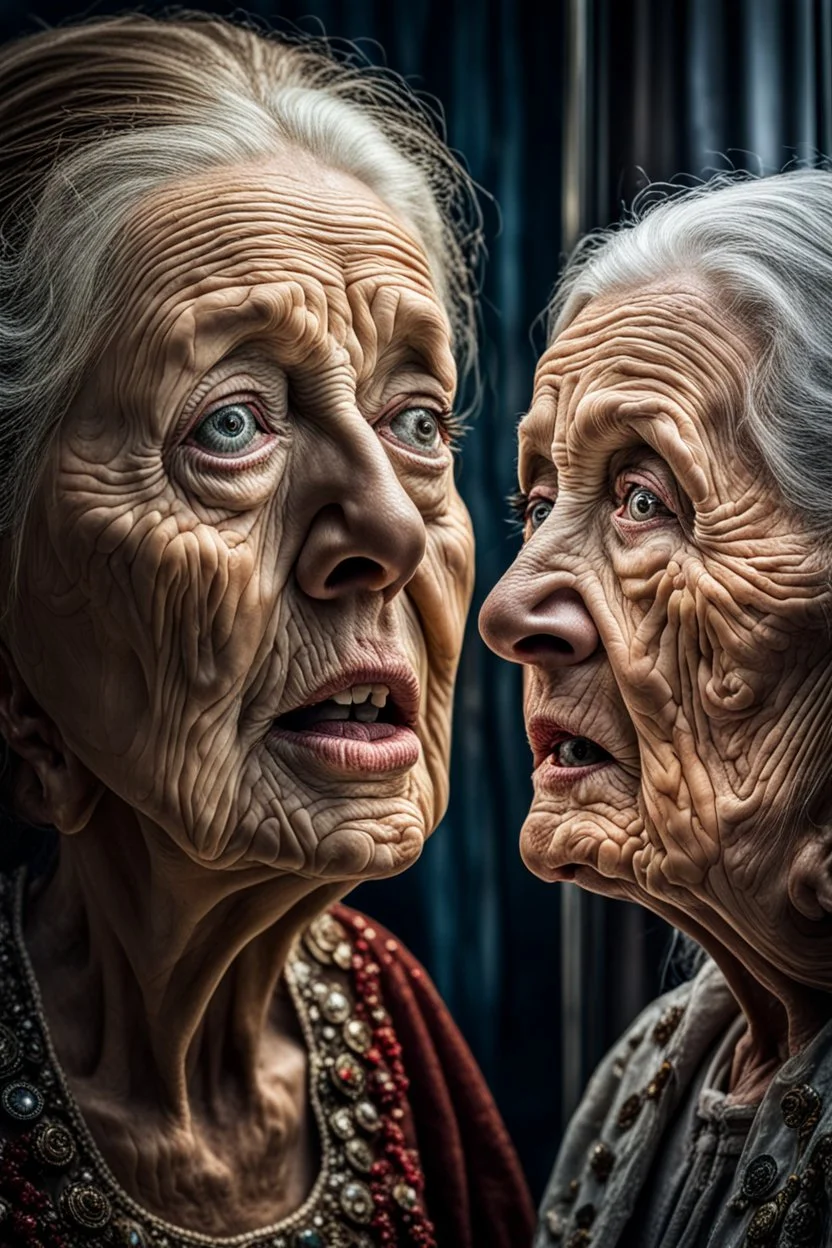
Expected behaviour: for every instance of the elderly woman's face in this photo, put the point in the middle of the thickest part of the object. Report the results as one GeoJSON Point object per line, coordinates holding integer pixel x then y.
{"type": "Point", "coordinates": [672, 616]}
{"type": "Point", "coordinates": [246, 577]}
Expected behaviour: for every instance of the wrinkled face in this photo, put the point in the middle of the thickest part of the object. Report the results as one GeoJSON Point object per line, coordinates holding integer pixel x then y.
{"type": "Point", "coordinates": [246, 578]}
{"type": "Point", "coordinates": [672, 615]}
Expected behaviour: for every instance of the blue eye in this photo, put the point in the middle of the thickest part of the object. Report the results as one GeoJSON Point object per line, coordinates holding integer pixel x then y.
{"type": "Point", "coordinates": [228, 430]}
{"type": "Point", "coordinates": [642, 504]}
{"type": "Point", "coordinates": [538, 512]}
{"type": "Point", "coordinates": [417, 427]}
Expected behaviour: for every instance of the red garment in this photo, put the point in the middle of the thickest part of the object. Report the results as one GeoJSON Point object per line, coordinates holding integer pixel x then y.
{"type": "Point", "coordinates": [475, 1192]}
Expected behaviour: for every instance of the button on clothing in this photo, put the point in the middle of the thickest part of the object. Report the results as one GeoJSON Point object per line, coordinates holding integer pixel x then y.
{"type": "Point", "coordinates": [693, 1175]}
{"type": "Point", "coordinates": [691, 1169]}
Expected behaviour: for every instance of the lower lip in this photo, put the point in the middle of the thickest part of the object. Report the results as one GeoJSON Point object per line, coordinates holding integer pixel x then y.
{"type": "Point", "coordinates": [351, 751]}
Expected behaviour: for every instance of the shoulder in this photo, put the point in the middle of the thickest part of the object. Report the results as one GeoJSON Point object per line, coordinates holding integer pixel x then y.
{"type": "Point", "coordinates": [614, 1133]}
{"type": "Point", "coordinates": [376, 949]}
{"type": "Point", "coordinates": [786, 1162]}
{"type": "Point", "coordinates": [432, 1044]}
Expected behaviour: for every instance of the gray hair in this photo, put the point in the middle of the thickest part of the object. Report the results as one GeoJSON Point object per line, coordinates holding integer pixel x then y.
{"type": "Point", "coordinates": [764, 247]}
{"type": "Point", "coordinates": [96, 116]}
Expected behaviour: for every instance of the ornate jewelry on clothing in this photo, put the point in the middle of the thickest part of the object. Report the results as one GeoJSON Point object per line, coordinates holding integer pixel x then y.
{"type": "Point", "coordinates": [56, 1190]}
{"type": "Point", "coordinates": [657, 1154]}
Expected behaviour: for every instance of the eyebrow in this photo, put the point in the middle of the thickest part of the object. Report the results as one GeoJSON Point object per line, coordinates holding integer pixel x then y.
{"type": "Point", "coordinates": [530, 433]}
{"type": "Point", "coordinates": [429, 345]}
{"type": "Point", "coordinates": [233, 325]}
{"type": "Point", "coordinates": [536, 466]}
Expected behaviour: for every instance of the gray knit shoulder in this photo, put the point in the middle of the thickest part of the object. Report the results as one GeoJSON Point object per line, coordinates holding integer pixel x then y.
{"type": "Point", "coordinates": [610, 1142]}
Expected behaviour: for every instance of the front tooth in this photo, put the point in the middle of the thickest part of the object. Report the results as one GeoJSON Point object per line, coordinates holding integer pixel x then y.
{"type": "Point", "coordinates": [360, 693]}
{"type": "Point", "coordinates": [379, 695]}
{"type": "Point", "coordinates": [344, 698]}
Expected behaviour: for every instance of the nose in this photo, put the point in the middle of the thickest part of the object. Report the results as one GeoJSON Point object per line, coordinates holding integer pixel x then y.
{"type": "Point", "coordinates": [367, 533]}
{"type": "Point", "coordinates": [551, 630]}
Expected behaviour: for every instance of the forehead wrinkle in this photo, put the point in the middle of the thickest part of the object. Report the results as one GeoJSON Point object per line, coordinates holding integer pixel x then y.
{"type": "Point", "coordinates": [658, 355]}
{"type": "Point", "coordinates": [254, 210]}
{"type": "Point", "coordinates": [680, 296]}
{"type": "Point", "coordinates": [672, 359]}
{"type": "Point", "coordinates": [202, 232]}
{"type": "Point", "coordinates": [396, 325]}
{"type": "Point", "coordinates": [607, 421]}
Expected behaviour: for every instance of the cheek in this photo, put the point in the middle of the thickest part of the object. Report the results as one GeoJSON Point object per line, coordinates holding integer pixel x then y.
{"type": "Point", "coordinates": [166, 621]}
{"type": "Point", "coordinates": [443, 584]}
{"type": "Point", "coordinates": [435, 608]}
{"type": "Point", "coordinates": [704, 669]}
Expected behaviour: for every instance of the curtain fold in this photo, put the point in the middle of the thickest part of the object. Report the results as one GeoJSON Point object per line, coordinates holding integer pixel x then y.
{"type": "Point", "coordinates": [563, 110]}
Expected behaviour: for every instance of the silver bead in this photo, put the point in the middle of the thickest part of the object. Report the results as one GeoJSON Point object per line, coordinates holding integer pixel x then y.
{"type": "Point", "coordinates": [336, 1007]}
{"type": "Point", "coordinates": [357, 1202]}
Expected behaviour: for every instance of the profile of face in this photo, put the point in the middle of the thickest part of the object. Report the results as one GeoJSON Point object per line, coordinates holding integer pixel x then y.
{"type": "Point", "coordinates": [245, 577]}
{"type": "Point", "coordinates": [673, 616]}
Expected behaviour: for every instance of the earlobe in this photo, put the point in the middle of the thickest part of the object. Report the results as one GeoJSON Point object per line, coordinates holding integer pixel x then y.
{"type": "Point", "coordinates": [810, 877]}
{"type": "Point", "coordinates": [49, 784]}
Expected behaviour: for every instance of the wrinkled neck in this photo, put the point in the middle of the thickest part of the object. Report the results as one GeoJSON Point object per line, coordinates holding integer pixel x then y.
{"type": "Point", "coordinates": [783, 1015]}
{"type": "Point", "coordinates": [158, 975]}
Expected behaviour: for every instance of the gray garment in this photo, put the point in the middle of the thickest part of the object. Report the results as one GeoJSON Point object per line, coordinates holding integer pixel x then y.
{"type": "Point", "coordinates": [655, 1153]}
{"type": "Point", "coordinates": [693, 1173]}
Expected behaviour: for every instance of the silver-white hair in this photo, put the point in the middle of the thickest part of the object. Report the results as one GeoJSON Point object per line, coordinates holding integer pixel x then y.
{"type": "Point", "coordinates": [764, 247]}
{"type": "Point", "coordinates": [95, 117]}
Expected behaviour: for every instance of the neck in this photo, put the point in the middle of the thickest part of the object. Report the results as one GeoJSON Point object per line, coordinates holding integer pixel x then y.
{"type": "Point", "coordinates": [782, 1017]}
{"type": "Point", "coordinates": [158, 974]}
{"type": "Point", "coordinates": [783, 1014]}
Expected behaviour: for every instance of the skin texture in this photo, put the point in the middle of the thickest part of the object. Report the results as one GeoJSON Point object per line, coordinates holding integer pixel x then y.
{"type": "Point", "coordinates": [173, 603]}
{"type": "Point", "coordinates": [688, 640]}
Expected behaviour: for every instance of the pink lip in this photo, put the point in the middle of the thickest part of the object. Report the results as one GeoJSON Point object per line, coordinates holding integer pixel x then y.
{"type": "Point", "coordinates": [397, 752]}
{"type": "Point", "coordinates": [354, 747]}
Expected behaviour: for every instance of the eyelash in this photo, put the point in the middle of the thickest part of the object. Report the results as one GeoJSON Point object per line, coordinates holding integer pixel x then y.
{"type": "Point", "coordinates": [625, 487]}
{"type": "Point", "coordinates": [518, 505]}
{"type": "Point", "coordinates": [518, 502]}
{"type": "Point", "coordinates": [454, 427]}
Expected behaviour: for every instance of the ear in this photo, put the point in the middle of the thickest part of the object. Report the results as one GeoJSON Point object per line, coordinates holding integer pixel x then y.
{"type": "Point", "coordinates": [810, 876]}
{"type": "Point", "coordinates": [51, 785]}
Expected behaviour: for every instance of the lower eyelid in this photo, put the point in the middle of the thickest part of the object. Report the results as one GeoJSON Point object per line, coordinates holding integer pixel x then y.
{"type": "Point", "coordinates": [232, 463]}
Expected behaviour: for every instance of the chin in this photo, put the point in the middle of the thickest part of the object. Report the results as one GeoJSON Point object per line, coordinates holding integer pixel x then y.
{"type": "Point", "coordinates": [313, 821]}
{"type": "Point", "coordinates": [581, 846]}
{"type": "Point", "coordinates": [371, 848]}
{"type": "Point", "coordinates": [333, 838]}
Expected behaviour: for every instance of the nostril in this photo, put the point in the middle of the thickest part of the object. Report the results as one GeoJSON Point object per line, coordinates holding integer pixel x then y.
{"type": "Point", "coordinates": [353, 572]}
{"type": "Point", "coordinates": [542, 643]}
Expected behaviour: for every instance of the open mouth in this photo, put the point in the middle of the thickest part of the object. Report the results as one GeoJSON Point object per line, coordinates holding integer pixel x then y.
{"type": "Point", "coordinates": [578, 752]}
{"type": "Point", "coordinates": [363, 712]}
{"type": "Point", "coordinates": [365, 725]}
{"type": "Point", "coordinates": [554, 746]}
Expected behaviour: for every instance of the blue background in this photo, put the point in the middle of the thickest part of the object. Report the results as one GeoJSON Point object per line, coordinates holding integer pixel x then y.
{"type": "Point", "coordinates": [618, 91]}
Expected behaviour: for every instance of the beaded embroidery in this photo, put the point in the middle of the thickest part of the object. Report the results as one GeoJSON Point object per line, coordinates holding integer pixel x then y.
{"type": "Point", "coordinates": [56, 1190]}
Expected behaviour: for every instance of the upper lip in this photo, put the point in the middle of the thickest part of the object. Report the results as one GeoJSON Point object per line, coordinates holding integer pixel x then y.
{"type": "Point", "coordinates": [545, 733]}
{"type": "Point", "coordinates": [398, 676]}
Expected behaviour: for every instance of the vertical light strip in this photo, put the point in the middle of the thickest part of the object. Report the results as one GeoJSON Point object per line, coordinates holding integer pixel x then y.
{"type": "Point", "coordinates": [576, 155]}
{"type": "Point", "coordinates": [576, 118]}
{"type": "Point", "coordinates": [573, 958]}
{"type": "Point", "coordinates": [824, 84]}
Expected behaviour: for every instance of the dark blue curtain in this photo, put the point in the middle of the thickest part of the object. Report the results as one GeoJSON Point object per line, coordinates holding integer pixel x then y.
{"type": "Point", "coordinates": [563, 110]}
